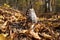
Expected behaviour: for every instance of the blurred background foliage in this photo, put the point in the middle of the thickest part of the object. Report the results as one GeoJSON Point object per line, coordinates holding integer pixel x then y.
{"type": "Point", "coordinates": [38, 5]}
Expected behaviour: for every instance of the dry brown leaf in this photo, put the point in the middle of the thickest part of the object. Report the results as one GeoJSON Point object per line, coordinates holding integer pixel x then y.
{"type": "Point", "coordinates": [22, 31]}
{"type": "Point", "coordinates": [46, 35]}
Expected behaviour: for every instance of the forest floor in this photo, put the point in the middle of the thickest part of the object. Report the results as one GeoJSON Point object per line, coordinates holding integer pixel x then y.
{"type": "Point", "coordinates": [15, 26]}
